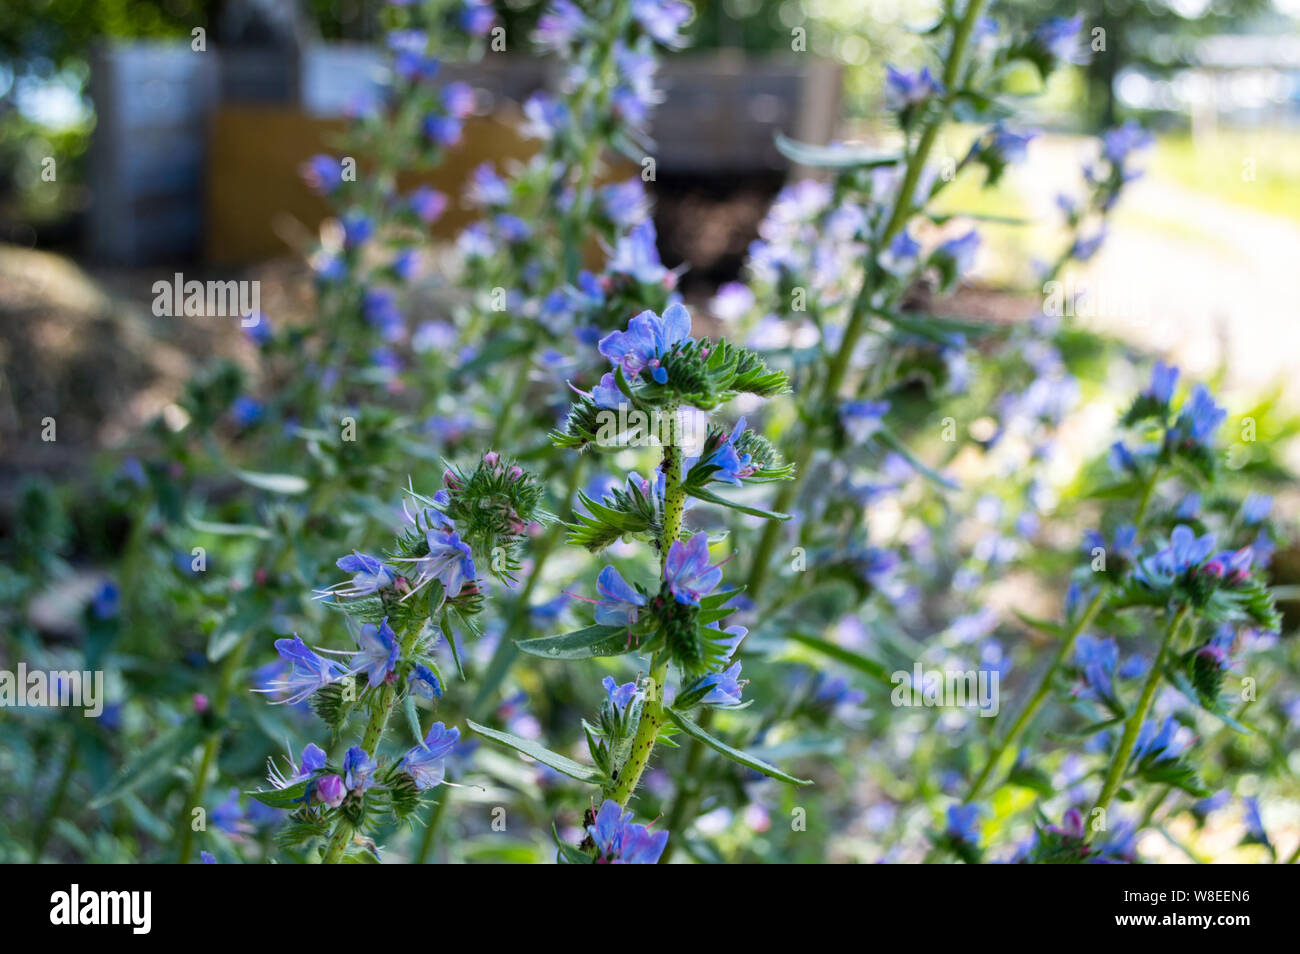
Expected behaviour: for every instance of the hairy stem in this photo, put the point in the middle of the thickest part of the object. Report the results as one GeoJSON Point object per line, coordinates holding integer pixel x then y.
{"type": "Point", "coordinates": [652, 714]}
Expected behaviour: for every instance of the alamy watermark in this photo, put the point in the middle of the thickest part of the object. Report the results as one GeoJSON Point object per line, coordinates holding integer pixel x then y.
{"type": "Point", "coordinates": [179, 298]}
{"type": "Point", "coordinates": [938, 688]}
{"type": "Point", "coordinates": [39, 689]}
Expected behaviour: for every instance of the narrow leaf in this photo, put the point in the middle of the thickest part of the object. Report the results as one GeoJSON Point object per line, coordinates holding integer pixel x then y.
{"type": "Point", "coordinates": [561, 763]}
{"type": "Point", "coordinates": [745, 759]}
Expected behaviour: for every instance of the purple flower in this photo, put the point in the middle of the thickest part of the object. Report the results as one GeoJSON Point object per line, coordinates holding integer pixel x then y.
{"type": "Point", "coordinates": [1198, 419]}
{"type": "Point", "coordinates": [1255, 508]}
{"type": "Point", "coordinates": [1159, 743]}
{"type": "Point", "coordinates": [732, 302]}
{"type": "Point", "coordinates": [961, 251]}
{"type": "Point", "coordinates": [329, 789]}
{"type": "Point", "coordinates": [559, 26]}
{"type": "Point", "coordinates": [427, 204]}
{"type": "Point", "coordinates": [731, 464]}
{"type": "Point", "coordinates": [647, 340]}
{"type": "Point", "coordinates": [424, 682]}
{"type": "Point", "coordinates": [323, 174]}
{"type": "Point", "coordinates": [307, 671]}
{"type": "Point", "coordinates": [1164, 378]}
{"type": "Point", "coordinates": [688, 572]}
{"type": "Point", "coordinates": [619, 696]}
{"type": "Point", "coordinates": [636, 255]}
{"type": "Point", "coordinates": [411, 59]}
{"type": "Point", "coordinates": [904, 89]}
{"type": "Point", "coordinates": [477, 17]}
{"type": "Point", "coordinates": [1059, 36]}
{"type": "Point", "coordinates": [725, 687]}
{"type": "Point", "coordinates": [1096, 660]}
{"type": "Point", "coordinates": [1085, 247]}
{"type": "Point", "coordinates": [964, 823]}
{"type": "Point", "coordinates": [442, 130]}
{"type": "Point", "coordinates": [370, 574]}
{"type": "Point", "coordinates": [358, 767]}
{"type": "Point", "coordinates": [458, 99]}
{"type": "Point", "coordinates": [1120, 142]}
{"type": "Point", "coordinates": [450, 560]}
{"type": "Point", "coordinates": [619, 601]}
{"type": "Point", "coordinates": [426, 762]}
{"type": "Point", "coordinates": [544, 116]}
{"type": "Point", "coordinates": [620, 842]}
{"type": "Point", "coordinates": [662, 19]}
{"type": "Point", "coordinates": [378, 652]}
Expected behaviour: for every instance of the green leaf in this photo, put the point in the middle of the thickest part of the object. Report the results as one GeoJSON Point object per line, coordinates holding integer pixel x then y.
{"type": "Point", "coordinates": [561, 763]}
{"type": "Point", "coordinates": [229, 529]}
{"type": "Point", "coordinates": [153, 761]}
{"type": "Point", "coordinates": [851, 659]}
{"type": "Point", "coordinates": [708, 496]}
{"type": "Point", "coordinates": [745, 759]}
{"type": "Point", "coordinates": [891, 439]}
{"type": "Point", "coordinates": [287, 798]}
{"type": "Point", "coordinates": [567, 853]}
{"type": "Point", "coordinates": [1042, 625]}
{"type": "Point", "coordinates": [832, 157]}
{"type": "Point", "coordinates": [275, 483]}
{"type": "Point", "coordinates": [594, 641]}
{"type": "Point", "coordinates": [412, 717]}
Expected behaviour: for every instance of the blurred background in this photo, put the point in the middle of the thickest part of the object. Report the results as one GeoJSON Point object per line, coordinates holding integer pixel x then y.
{"type": "Point", "coordinates": [123, 149]}
{"type": "Point", "coordinates": [141, 138]}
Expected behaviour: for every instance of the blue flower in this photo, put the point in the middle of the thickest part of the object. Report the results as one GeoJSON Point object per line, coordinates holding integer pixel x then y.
{"type": "Point", "coordinates": [458, 99]}
{"type": "Point", "coordinates": [426, 762]}
{"type": "Point", "coordinates": [442, 130]}
{"type": "Point", "coordinates": [1060, 36]}
{"type": "Point", "coordinates": [961, 251]}
{"type": "Point", "coordinates": [247, 411]}
{"type": "Point", "coordinates": [725, 687]}
{"type": "Point", "coordinates": [323, 174]}
{"type": "Point", "coordinates": [688, 572]}
{"type": "Point", "coordinates": [207, 858]}
{"type": "Point", "coordinates": [106, 602]}
{"type": "Point", "coordinates": [1255, 508]}
{"type": "Point", "coordinates": [1198, 419]}
{"type": "Point", "coordinates": [648, 339]}
{"type": "Point", "coordinates": [619, 601]}
{"type": "Point", "coordinates": [1164, 377]}
{"type": "Point", "coordinates": [1085, 248]}
{"type": "Point", "coordinates": [1185, 552]}
{"type": "Point", "coordinates": [636, 255]}
{"type": "Point", "coordinates": [862, 419]}
{"type": "Point", "coordinates": [559, 26]}
{"type": "Point", "coordinates": [964, 824]}
{"type": "Point", "coordinates": [619, 696]}
{"type": "Point", "coordinates": [619, 841]}
{"type": "Point", "coordinates": [1119, 142]}
{"type": "Point", "coordinates": [731, 464]}
{"type": "Point", "coordinates": [428, 204]}
{"type": "Point", "coordinates": [662, 19]}
{"type": "Point", "coordinates": [370, 574]}
{"type": "Point", "coordinates": [450, 560]}
{"type": "Point", "coordinates": [1096, 659]}
{"type": "Point", "coordinates": [307, 671]}
{"type": "Point", "coordinates": [904, 89]}
{"type": "Point", "coordinates": [358, 767]}
{"type": "Point", "coordinates": [1159, 743]}
{"type": "Point", "coordinates": [378, 653]}
{"type": "Point", "coordinates": [424, 682]}
{"type": "Point", "coordinates": [477, 17]}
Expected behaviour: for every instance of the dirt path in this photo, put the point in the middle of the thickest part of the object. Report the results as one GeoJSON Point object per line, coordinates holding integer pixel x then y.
{"type": "Point", "coordinates": [1189, 276]}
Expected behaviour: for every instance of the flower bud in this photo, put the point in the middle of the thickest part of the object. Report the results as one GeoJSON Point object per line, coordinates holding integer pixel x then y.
{"type": "Point", "coordinates": [330, 790]}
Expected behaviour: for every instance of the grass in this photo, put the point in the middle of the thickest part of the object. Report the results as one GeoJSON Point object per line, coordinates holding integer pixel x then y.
{"type": "Point", "coordinates": [1221, 163]}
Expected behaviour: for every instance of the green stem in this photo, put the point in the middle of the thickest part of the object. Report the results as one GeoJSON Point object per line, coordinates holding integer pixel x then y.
{"type": "Point", "coordinates": [684, 803]}
{"type": "Point", "coordinates": [376, 725]}
{"type": "Point", "coordinates": [1118, 765]}
{"type": "Point", "coordinates": [1039, 696]}
{"type": "Point", "coordinates": [858, 316]}
{"type": "Point", "coordinates": [652, 714]}
{"type": "Point", "coordinates": [56, 803]}
{"type": "Point", "coordinates": [211, 748]}
{"type": "Point", "coordinates": [1067, 644]}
